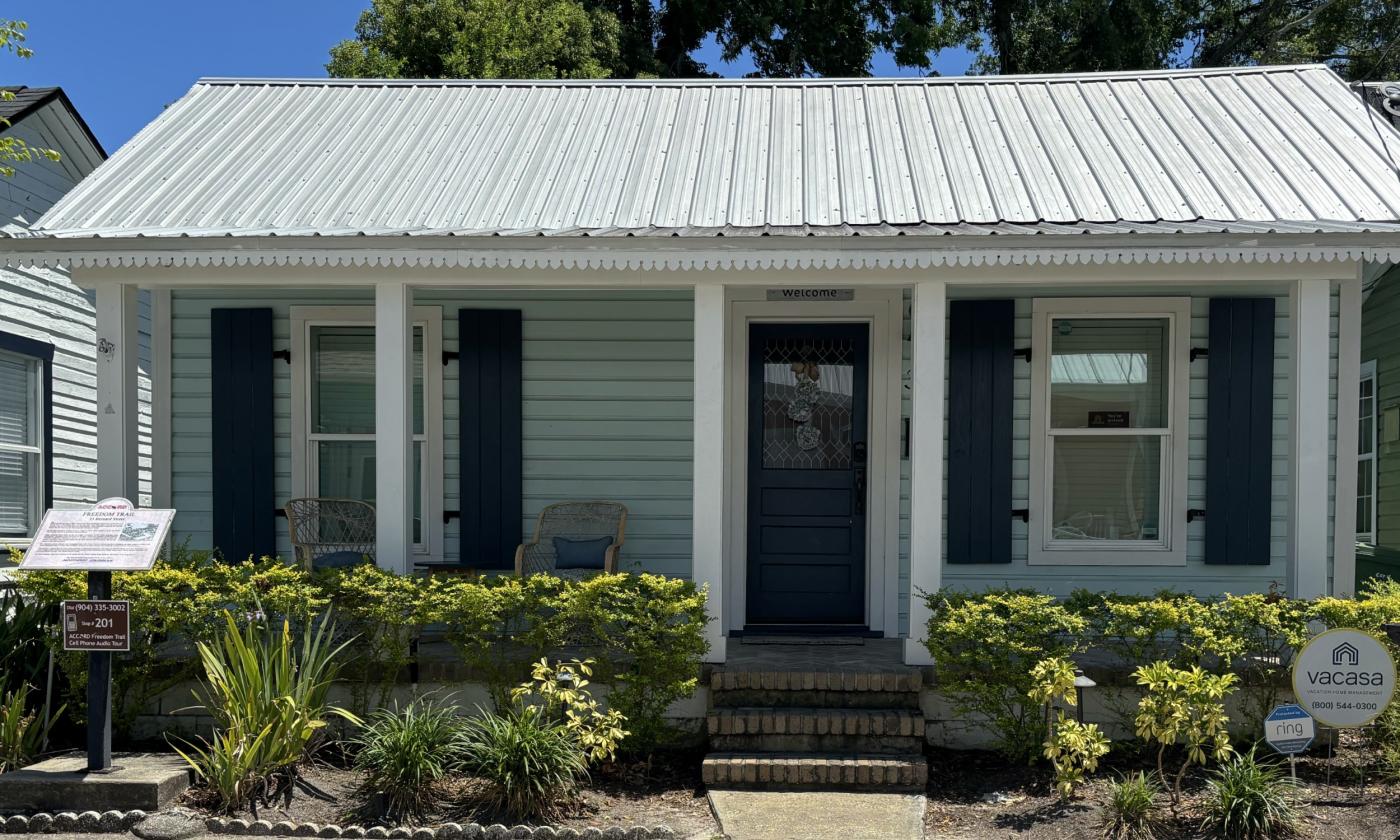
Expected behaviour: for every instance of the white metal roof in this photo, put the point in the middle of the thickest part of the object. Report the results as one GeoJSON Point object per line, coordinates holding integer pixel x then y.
{"type": "Point", "coordinates": [1243, 150]}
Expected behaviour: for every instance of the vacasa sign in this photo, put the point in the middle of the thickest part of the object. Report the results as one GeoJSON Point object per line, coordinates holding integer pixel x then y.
{"type": "Point", "coordinates": [1344, 678]}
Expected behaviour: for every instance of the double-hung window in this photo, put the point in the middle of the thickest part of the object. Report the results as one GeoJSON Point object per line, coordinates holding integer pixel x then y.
{"type": "Point", "coordinates": [24, 436]}
{"type": "Point", "coordinates": [333, 454]}
{"type": "Point", "coordinates": [1108, 438]}
{"type": "Point", "coordinates": [1366, 457]}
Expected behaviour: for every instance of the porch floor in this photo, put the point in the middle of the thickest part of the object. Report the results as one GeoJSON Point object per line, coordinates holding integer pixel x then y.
{"type": "Point", "coordinates": [769, 653]}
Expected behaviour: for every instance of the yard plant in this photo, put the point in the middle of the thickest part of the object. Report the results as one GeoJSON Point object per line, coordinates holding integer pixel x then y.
{"type": "Point", "coordinates": [1072, 746]}
{"type": "Point", "coordinates": [23, 728]}
{"type": "Point", "coordinates": [1128, 811]}
{"type": "Point", "coordinates": [1184, 706]}
{"type": "Point", "coordinates": [405, 754]}
{"type": "Point", "coordinates": [1249, 799]}
{"type": "Point", "coordinates": [268, 696]}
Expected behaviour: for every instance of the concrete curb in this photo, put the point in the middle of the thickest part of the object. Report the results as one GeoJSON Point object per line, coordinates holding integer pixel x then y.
{"type": "Point", "coordinates": [91, 822]}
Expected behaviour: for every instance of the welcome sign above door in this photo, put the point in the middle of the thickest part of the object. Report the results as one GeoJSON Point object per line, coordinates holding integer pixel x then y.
{"type": "Point", "coordinates": [788, 293]}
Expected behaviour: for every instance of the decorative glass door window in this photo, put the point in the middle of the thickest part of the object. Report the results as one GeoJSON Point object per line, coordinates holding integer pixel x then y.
{"type": "Point", "coordinates": [807, 404]}
{"type": "Point", "coordinates": [21, 445]}
{"type": "Point", "coordinates": [1366, 457]}
{"type": "Point", "coordinates": [1109, 405]}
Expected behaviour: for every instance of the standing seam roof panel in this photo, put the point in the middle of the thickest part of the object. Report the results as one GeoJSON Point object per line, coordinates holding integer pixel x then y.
{"type": "Point", "coordinates": [975, 156]}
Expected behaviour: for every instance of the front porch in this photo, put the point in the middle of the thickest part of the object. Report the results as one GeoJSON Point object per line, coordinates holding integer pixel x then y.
{"type": "Point", "coordinates": [639, 391]}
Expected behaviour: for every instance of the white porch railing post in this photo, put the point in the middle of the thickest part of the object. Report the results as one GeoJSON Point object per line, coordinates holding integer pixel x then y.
{"type": "Point", "coordinates": [707, 517]}
{"type": "Point", "coordinates": [929, 330]}
{"type": "Point", "coordinates": [117, 352]}
{"type": "Point", "coordinates": [393, 424]}
{"type": "Point", "coordinates": [1310, 351]}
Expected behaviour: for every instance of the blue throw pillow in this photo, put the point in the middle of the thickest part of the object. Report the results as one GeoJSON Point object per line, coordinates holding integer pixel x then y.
{"type": "Point", "coordinates": [580, 554]}
{"type": "Point", "coordinates": [339, 560]}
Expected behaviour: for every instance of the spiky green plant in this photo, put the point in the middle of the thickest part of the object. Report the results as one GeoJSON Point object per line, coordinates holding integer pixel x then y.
{"type": "Point", "coordinates": [22, 731]}
{"type": "Point", "coordinates": [268, 698]}
{"type": "Point", "coordinates": [1128, 813]}
{"type": "Point", "coordinates": [405, 753]}
{"type": "Point", "coordinates": [530, 762]}
{"type": "Point", "coordinates": [1247, 799]}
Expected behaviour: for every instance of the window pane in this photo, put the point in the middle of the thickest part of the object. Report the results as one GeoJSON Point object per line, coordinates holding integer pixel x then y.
{"type": "Point", "coordinates": [16, 393]}
{"type": "Point", "coordinates": [1367, 417]}
{"type": "Point", "coordinates": [1364, 488]}
{"type": "Point", "coordinates": [342, 380]}
{"type": "Point", "coordinates": [1107, 488]}
{"type": "Point", "coordinates": [17, 470]}
{"type": "Point", "coordinates": [1109, 373]}
{"type": "Point", "coordinates": [346, 470]}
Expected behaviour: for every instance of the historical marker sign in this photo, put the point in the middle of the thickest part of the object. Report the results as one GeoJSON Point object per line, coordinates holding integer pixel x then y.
{"type": "Point", "coordinates": [110, 536]}
{"type": "Point", "coordinates": [97, 625]}
{"type": "Point", "coordinates": [1344, 678]}
{"type": "Point", "coordinates": [1289, 729]}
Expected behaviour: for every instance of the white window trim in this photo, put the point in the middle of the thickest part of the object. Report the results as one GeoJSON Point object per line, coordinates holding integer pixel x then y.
{"type": "Point", "coordinates": [1170, 550]}
{"type": "Point", "coordinates": [1369, 460]}
{"type": "Point", "coordinates": [38, 422]}
{"type": "Point", "coordinates": [429, 318]}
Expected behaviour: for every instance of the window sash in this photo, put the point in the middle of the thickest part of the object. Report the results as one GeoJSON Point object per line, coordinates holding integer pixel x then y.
{"type": "Point", "coordinates": [27, 502]}
{"type": "Point", "coordinates": [1368, 417]}
{"type": "Point", "coordinates": [1170, 546]}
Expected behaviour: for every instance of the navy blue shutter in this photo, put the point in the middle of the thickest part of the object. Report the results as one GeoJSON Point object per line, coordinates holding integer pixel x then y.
{"type": "Point", "coordinates": [980, 348]}
{"type": "Point", "coordinates": [1239, 437]}
{"type": "Point", "coordinates": [240, 371]}
{"type": "Point", "coordinates": [489, 345]}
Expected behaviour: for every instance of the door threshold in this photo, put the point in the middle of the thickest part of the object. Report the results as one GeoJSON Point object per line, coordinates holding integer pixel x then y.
{"type": "Point", "coordinates": [851, 631]}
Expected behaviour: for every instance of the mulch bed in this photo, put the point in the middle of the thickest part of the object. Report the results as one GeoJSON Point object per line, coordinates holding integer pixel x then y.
{"type": "Point", "coordinates": [665, 792]}
{"type": "Point", "coordinates": [976, 795]}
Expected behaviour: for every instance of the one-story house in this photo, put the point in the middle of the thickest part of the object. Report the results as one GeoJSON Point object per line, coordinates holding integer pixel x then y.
{"type": "Point", "coordinates": [48, 410]}
{"type": "Point", "coordinates": [834, 343]}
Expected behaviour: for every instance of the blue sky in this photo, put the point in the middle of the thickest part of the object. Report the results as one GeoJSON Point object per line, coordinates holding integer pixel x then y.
{"type": "Point", "coordinates": [122, 62]}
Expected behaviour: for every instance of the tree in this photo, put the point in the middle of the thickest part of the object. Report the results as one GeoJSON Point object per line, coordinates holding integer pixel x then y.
{"type": "Point", "coordinates": [483, 39]}
{"type": "Point", "coordinates": [1359, 38]}
{"type": "Point", "coordinates": [14, 150]}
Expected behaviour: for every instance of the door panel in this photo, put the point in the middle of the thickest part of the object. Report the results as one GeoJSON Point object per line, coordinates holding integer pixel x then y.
{"type": "Point", "coordinates": [808, 418]}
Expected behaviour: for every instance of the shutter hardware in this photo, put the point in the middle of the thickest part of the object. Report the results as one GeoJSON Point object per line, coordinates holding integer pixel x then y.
{"type": "Point", "coordinates": [450, 355]}
{"type": "Point", "coordinates": [1199, 352]}
{"type": "Point", "coordinates": [284, 355]}
{"type": "Point", "coordinates": [449, 515]}
{"type": "Point", "coordinates": [1022, 353]}
{"type": "Point", "coordinates": [1023, 514]}
{"type": "Point", "coordinates": [1192, 514]}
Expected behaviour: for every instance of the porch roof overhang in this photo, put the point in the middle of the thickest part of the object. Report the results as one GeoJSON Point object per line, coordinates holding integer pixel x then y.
{"type": "Point", "coordinates": [655, 250]}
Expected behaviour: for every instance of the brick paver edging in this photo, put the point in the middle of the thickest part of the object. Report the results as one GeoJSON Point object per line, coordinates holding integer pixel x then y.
{"type": "Point", "coordinates": [114, 821]}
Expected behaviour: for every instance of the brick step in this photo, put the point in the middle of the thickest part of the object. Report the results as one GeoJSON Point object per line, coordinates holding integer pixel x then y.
{"type": "Point", "coordinates": [795, 730]}
{"type": "Point", "coordinates": [734, 688]}
{"type": "Point", "coordinates": [891, 772]}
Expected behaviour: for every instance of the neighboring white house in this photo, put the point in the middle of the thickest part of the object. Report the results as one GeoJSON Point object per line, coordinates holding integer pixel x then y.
{"type": "Point", "coordinates": [833, 342]}
{"type": "Point", "coordinates": [48, 377]}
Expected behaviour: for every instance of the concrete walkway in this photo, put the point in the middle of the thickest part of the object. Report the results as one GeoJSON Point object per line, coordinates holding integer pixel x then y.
{"type": "Point", "coordinates": [818, 815]}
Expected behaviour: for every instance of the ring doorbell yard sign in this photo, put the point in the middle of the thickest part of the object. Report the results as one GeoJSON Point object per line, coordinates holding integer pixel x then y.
{"type": "Point", "coordinates": [1344, 678]}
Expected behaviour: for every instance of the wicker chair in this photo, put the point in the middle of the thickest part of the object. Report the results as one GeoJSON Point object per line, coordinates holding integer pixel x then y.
{"type": "Point", "coordinates": [572, 521]}
{"type": "Point", "coordinates": [329, 533]}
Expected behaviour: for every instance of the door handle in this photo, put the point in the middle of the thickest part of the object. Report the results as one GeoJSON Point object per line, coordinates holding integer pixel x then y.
{"type": "Point", "coordinates": [858, 456]}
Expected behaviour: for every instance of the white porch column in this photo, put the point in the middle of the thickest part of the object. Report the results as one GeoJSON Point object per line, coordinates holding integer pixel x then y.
{"type": "Point", "coordinates": [707, 515]}
{"type": "Point", "coordinates": [1348, 408]}
{"type": "Point", "coordinates": [117, 353]}
{"type": "Point", "coordinates": [929, 331]}
{"type": "Point", "coordinates": [1309, 349]}
{"type": "Point", "coordinates": [393, 424]}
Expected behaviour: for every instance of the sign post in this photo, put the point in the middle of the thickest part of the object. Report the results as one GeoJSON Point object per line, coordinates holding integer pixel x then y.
{"type": "Point", "coordinates": [1289, 730]}
{"type": "Point", "coordinates": [111, 536]}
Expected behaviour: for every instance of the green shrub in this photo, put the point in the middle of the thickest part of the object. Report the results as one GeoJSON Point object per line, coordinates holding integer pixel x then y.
{"type": "Point", "coordinates": [562, 692]}
{"type": "Point", "coordinates": [404, 755]}
{"type": "Point", "coordinates": [22, 729]}
{"type": "Point", "coordinates": [1248, 799]}
{"type": "Point", "coordinates": [1073, 748]}
{"type": "Point", "coordinates": [268, 698]}
{"type": "Point", "coordinates": [1183, 706]}
{"type": "Point", "coordinates": [530, 764]}
{"type": "Point", "coordinates": [1128, 812]}
{"type": "Point", "coordinates": [985, 646]}
{"type": "Point", "coordinates": [25, 628]}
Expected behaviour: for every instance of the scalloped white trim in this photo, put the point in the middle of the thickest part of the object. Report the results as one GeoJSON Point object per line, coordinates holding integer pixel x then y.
{"type": "Point", "coordinates": [698, 259]}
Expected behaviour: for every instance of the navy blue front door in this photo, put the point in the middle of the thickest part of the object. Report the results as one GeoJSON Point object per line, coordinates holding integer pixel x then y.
{"type": "Point", "coordinates": [808, 415]}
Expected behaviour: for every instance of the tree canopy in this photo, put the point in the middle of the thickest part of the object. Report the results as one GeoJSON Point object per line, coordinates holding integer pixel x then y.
{"type": "Point", "coordinates": [639, 38]}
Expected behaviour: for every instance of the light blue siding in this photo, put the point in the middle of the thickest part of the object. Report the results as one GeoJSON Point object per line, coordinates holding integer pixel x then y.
{"type": "Point", "coordinates": [607, 406]}
{"type": "Point", "coordinates": [1195, 576]}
